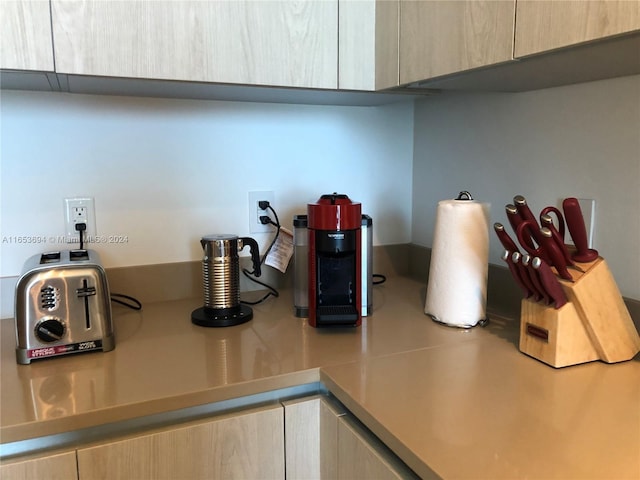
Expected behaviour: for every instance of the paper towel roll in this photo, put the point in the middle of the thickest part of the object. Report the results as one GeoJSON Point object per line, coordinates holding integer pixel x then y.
{"type": "Point", "coordinates": [457, 287]}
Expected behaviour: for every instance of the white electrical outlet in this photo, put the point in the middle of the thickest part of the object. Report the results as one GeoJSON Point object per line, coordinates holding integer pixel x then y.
{"type": "Point", "coordinates": [588, 207]}
{"type": "Point", "coordinates": [79, 210]}
{"type": "Point", "coordinates": [255, 212]}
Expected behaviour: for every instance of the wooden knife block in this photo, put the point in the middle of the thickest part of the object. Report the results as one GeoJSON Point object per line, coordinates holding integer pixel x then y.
{"type": "Point", "coordinates": [594, 324]}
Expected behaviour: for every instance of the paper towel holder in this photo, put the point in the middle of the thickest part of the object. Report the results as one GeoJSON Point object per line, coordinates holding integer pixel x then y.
{"type": "Point", "coordinates": [464, 197]}
{"type": "Point", "coordinates": [464, 193]}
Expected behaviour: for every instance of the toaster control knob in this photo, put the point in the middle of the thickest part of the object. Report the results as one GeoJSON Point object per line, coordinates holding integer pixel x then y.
{"type": "Point", "coordinates": [50, 330]}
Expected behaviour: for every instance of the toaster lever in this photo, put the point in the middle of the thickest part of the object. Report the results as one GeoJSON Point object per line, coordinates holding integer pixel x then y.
{"type": "Point", "coordinates": [86, 291]}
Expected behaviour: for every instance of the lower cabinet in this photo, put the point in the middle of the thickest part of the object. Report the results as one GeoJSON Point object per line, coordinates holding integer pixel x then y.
{"type": "Point", "coordinates": [362, 455]}
{"type": "Point", "coordinates": [323, 441]}
{"type": "Point", "coordinates": [61, 466]}
{"type": "Point", "coordinates": [246, 445]}
{"type": "Point", "coordinates": [307, 438]}
{"type": "Point", "coordinates": [311, 429]}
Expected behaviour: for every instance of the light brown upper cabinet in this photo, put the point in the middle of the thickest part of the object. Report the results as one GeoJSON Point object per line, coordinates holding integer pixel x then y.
{"type": "Point", "coordinates": [286, 43]}
{"type": "Point", "coordinates": [548, 25]}
{"type": "Point", "coordinates": [25, 35]}
{"type": "Point", "coordinates": [368, 44]}
{"type": "Point", "coordinates": [444, 37]}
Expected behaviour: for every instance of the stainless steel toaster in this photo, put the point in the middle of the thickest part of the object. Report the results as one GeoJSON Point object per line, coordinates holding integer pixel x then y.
{"type": "Point", "coordinates": [62, 306]}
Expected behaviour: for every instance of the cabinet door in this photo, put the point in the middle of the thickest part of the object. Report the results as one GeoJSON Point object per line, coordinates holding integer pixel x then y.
{"type": "Point", "coordinates": [547, 25]}
{"type": "Point", "coordinates": [261, 42]}
{"type": "Point", "coordinates": [443, 37]}
{"type": "Point", "coordinates": [243, 445]}
{"type": "Point", "coordinates": [361, 455]}
{"type": "Point", "coordinates": [311, 438]}
{"type": "Point", "coordinates": [302, 438]}
{"type": "Point", "coordinates": [52, 467]}
{"type": "Point", "coordinates": [324, 442]}
{"type": "Point", "coordinates": [25, 35]}
{"type": "Point", "coordinates": [368, 50]}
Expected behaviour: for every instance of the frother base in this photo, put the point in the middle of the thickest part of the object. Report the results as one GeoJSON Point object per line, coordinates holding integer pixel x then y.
{"type": "Point", "coordinates": [210, 317]}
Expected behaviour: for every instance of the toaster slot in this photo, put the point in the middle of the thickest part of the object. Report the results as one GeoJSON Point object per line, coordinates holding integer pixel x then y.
{"type": "Point", "coordinates": [78, 255]}
{"type": "Point", "coordinates": [49, 257]}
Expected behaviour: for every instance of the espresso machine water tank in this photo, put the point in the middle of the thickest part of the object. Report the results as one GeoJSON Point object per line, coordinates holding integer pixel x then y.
{"type": "Point", "coordinates": [335, 261]}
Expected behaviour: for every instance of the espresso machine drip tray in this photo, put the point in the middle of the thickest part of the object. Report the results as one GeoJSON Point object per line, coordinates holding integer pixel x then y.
{"type": "Point", "coordinates": [337, 315]}
{"type": "Point", "coordinates": [221, 317]}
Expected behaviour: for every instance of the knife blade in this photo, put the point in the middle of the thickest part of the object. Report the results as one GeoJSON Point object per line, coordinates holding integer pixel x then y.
{"type": "Point", "coordinates": [550, 282]}
{"type": "Point", "coordinates": [526, 290]}
{"type": "Point", "coordinates": [577, 230]}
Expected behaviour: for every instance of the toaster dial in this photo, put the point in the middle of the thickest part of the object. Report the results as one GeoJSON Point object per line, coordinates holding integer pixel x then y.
{"type": "Point", "coordinates": [50, 330]}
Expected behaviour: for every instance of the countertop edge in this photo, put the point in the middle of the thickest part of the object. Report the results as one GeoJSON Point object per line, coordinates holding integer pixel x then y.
{"type": "Point", "coordinates": [395, 445]}
{"type": "Point", "coordinates": [157, 407]}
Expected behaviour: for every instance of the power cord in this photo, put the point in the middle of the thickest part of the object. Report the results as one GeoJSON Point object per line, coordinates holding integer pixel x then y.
{"type": "Point", "coordinates": [132, 303]}
{"type": "Point", "coordinates": [265, 220]}
{"type": "Point", "coordinates": [80, 228]}
{"type": "Point", "coordinates": [381, 279]}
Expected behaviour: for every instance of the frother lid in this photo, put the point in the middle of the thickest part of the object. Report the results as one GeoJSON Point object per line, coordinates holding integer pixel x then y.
{"type": "Point", "coordinates": [219, 236]}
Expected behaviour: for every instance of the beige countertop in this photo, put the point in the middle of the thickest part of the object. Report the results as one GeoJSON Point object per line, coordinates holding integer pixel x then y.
{"type": "Point", "coordinates": [460, 403]}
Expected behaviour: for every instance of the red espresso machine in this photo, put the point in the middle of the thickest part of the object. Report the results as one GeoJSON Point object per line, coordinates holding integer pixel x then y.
{"type": "Point", "coordinates": [334, 228]}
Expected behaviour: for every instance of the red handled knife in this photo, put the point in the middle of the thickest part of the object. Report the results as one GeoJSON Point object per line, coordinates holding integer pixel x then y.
{"type": "Point", "coordinates": [553, 254]}
{"type": "Point", "coordinates": [526, 261]}
{"type": "Point", "coordinates": [526, 276]}
{"type": "Point", "coordinates": [547, 221]}
{"type": "Point", "coordinates": [513, 216]}
{"type": "Point", "coordinates": [515, 220]}
{"type": "Point", "coordinates": [523, 209]}
{"type": "Point", "coordinates": [506, 256]}
{"type": "Point", "coordinates": [506, 241]}
{"type": "Point", "coordinates": [550, 282]}
{"type": "Point", "coordinates": [547, 211]}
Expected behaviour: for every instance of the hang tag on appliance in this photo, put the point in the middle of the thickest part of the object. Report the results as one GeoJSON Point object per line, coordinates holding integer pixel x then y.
{"type": "Point", "coordinates": [282, 251]}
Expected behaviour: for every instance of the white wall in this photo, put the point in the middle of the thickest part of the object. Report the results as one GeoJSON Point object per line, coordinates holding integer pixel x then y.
{"type": "Point", "coordinates": [164, 172]}
{"type": "Point", "coordinates": [577, 141]}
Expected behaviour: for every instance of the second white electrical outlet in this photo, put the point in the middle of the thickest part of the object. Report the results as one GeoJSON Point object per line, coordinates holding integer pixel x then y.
{"type": "Point", "coordinates": [588, 207]}
{"type": "Point", "coordinates": [79, 210]}
{"type": "Point", "coordinates": [255, 212]}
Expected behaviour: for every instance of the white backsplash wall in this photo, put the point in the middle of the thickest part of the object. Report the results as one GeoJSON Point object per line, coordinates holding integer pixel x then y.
{"type": "Point", "coordinates": [576, 141]}
{"type": "Point", "coordinates": [164, 172]}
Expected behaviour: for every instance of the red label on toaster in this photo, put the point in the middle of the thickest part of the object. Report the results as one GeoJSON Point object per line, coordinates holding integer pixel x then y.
{"type": "Point", "coordinates": [62, 349]}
